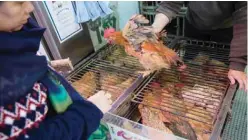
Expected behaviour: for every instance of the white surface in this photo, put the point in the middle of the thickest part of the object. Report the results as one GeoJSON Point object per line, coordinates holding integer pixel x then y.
{"type": "Point", "coordinates": [120, 127]}
{"type": "Point", "coordinates": [42, 51]}
{"type": "Point", "coordinates": [63, 19]}
{"type": "Point", "coordinates": [118, 133]}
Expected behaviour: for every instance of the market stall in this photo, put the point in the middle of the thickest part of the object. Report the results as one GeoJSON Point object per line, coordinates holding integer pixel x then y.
{"type": "Point", "coordinates": [193, 104]}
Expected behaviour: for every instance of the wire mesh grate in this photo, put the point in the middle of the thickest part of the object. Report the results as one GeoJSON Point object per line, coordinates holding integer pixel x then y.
{"type": "Point", "coordinates": [97, 76]}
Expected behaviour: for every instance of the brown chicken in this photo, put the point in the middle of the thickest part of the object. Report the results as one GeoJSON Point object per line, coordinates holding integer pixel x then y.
{"type": "Point", "coordinates": [114, 85]}
{"type": "Point", "coordinates": [202, 130]}
{"type": "Point", "coordinates": [142, 43]}
{"type": "Point", "coordinates": [86, 86]}
{"type": "Point", "coordinates": [153, 117]}
{"type": "Point", "coordinates": [165, 121]}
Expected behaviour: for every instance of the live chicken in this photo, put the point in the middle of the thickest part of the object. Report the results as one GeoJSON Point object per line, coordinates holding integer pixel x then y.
{"type": "Point", "coordinates": [162, 120]}
{"type": "Point", "coordinates": [86, 85]}
{"type": "Point", "coordinates": [141, 42]}
{"type": "Point", "coordinates": [153, 117]}
{"type": "Point", "coordinates": [184, 110]}
{"type": "Point", "coordinates": [113, 84]}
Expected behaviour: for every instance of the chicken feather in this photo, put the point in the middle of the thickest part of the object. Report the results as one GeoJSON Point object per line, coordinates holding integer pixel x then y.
{"type": "Point", "coordinates": [141, 42]}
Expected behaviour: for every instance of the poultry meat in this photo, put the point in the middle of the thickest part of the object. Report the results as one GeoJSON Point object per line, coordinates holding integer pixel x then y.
{"type": "Point", "coordinates": [141, 42]}
{"type": "Point", "coordinates": [86, 85]}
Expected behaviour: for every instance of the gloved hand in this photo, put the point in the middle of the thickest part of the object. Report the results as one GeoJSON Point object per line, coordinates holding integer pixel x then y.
{"type": "Point", "coordinates": [102, 100]}
{"type": "Point", "coordinates": [160, 22]}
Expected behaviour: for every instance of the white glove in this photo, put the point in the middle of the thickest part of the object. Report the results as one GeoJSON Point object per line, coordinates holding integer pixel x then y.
{"type": "Point", "coordinates": [102, 100]}
{"type": "Point", "coordinates": [160, 22]}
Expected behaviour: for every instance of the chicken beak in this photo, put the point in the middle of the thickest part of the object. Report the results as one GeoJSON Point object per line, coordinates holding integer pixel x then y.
{"type": "Point", "coordinates": [181, 66]}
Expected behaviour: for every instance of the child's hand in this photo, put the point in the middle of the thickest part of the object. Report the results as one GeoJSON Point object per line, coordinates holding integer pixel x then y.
{"type": "Point", "coordinates": [239, 76]}
{"type": "Point", "coordinates": [102, 100]}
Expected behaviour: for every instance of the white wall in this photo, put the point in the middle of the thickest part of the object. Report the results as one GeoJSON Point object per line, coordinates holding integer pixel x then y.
{"type": "Point", "coordinates": [125, 10]}
{"type": "Point", "coordinates": [42, 51]}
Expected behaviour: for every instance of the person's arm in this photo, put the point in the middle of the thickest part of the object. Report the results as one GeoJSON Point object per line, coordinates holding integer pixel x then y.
{"type": "Point", "coordinates": [80, 119]}
{"type": "Point", "coordinates": [165, 13]}
{"type": "Point", "coordinates": [99, 98]}
{"type": "Point", "coordinates": [72, 92]}
{"type": "Point", "coordinates": [238, 50]}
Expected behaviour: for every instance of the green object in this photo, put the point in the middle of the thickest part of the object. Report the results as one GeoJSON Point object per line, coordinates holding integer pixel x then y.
{"type": "Point", "coordinates": [100, 134]}
{"type": "Point", "coordinates": [58, 95]}
{"type": "Point", "coordinates": [236, 129]}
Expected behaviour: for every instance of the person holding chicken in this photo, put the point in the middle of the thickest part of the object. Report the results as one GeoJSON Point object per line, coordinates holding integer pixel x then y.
{"type": "Point", "coordinates": [213, 21]}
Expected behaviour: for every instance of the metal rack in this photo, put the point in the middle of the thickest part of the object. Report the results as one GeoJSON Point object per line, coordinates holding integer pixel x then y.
{"type": "Point", "coordinates": [96, 75]}
{"type": "Point", "coordinates": [178, 92]}
{"type": "Point", "coordinates": [211, 79]}
{"type": "Point", "coordinates": [214, 86]}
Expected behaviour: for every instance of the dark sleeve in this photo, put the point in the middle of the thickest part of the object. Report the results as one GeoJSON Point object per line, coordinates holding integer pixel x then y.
{"type": "Point", "coordinates": [238, 51]}
{"type": "Point", "coordinates": [170, 8]}
{"type": "Point", "coordinates": [80, 120]}
{"type": "Point", "coordinates": [77, 123]}
{"type": "Point", "coordinates": [72, 92]}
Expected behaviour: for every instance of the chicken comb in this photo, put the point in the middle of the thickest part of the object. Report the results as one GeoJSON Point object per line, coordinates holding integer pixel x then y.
{"type": "Point", "coordinates": [108, 32]}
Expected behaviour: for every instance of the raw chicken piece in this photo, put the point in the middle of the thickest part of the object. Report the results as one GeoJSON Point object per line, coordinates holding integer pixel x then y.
{"type": "Point", "coordinates": [86, 86]}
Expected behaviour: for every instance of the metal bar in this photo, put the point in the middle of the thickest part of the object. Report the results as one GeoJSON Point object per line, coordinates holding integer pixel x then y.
{"type": "Point", "coordinates": [216, 101]}
{"type": "Point", "coordinates": [41, 19]}
{"type": "Point", "coordinates": [184, 25]}
{"type": "Point", "coordinates": [178, 26]}
{"type": "Point", "coordinates": [225, 108]}
{"type": "Point", "coordinates": [126, 93]}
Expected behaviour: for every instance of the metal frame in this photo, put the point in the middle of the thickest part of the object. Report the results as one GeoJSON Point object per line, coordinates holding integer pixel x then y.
{"type": "Point", "coordinates": [47, 35]}
{"type": "Point", "coordinates": [140, 83]}
{"type": "Point", "coordinates": [222, 115]}
{"type": "Point", "coordinates": [97, 57]}
{"type": "Point", "coordinates": [225, 107]}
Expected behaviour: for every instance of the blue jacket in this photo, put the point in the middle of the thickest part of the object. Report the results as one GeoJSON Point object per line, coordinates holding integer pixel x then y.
{"type": "Point", "coordinates": [25, 112]}
{"type": "Point", "coordinates": [80, 120]}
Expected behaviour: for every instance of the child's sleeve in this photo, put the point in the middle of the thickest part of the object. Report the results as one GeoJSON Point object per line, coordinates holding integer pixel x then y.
{"type": "Point", "coordinates": [77, 123]}
{"type": "Point", "coordinates": [80, 120]}
{"type": "Point", "coordinates": [72, 92]}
